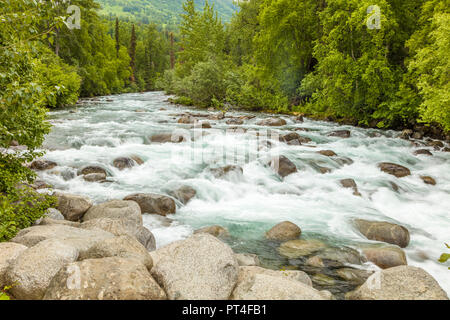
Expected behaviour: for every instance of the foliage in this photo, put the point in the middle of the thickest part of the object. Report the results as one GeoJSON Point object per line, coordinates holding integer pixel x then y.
{"type": "Point", "coordinates": [445, 256]}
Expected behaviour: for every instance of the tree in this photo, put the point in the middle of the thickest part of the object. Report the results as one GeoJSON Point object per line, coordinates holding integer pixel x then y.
{"type": "Point", "coordinates": [133, 54]}
{"type": "Point", "coordinates": [117, 37]}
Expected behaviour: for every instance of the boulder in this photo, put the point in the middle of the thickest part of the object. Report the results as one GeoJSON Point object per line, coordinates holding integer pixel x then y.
{"type": "Point", "coordinates": [283, 166]}
{"type": "Point", "coordinates": [435, 143]}
{"type": "Point", "coordinates": [340, 134]}
{"type": "Point", "coordinates": [284, 231]}
{"type": "Point", "coordinates": [94, 177]}
{"type": "Point", "coordinates": [49, 221]}
{"type": "Point", "coordinates": [222, 172]}
{"type": "Point", "coordinates": [268, 287]}
{"type": "Point", "coordinates": [406, 134]}
{"type": "Point", "coordinates": [423, 151]}
{"type": "Point", "coordinates": [394, 169]}
{"type": "Point", "coordinates": [39, 184]}
{"type": "Point", "coordinates": [294, 138]}
{"type": "Point", "coordinates": [117, 227]}
{"type": "Point", "coordinates": [350, 184]}
{"type": "Point", "coordinates": [247, 259]}
{"type": "Point", "coordinates": [428, 180]}
{"type": "Point", "coordinates": [72, 207]}
{"type": "Point", "coordinates": [294, 249]}
{"type": "Point", "coordinates": [216, 231]}
{"type": "Point", "coordinates": [354, 276]}
{"type": "Point", "coordinates": [166, 137]}
{"type": "Point", "coordinates": [247, 271]}
{"type": "Point", "coordinates": [234, 121]}
{"type": "Point", "coordinates": [53, 213]}
{"type": "Point", "coordinates": [384, 231]}
{"type": "Point", "coordinates": [332, 258]}
{"type": "Point", "coordinates": [183, 194]}
{"type": "Point", "coordinates": [92, 169]}
{"type": "Point", "coordinates": [111, 278]}
{"type": "Point", "coordinates": [34, 268]}
{"type": "Point", "coordinates": [399, 283]}
{"type": "Point", "coordinates": [127, 211]}
{"type": "Point", "coordinates": [272, 122]}
{"type": "Point", "coordinates": [122, 246]}
{"type": "Point", "coordinates": [187, 119]}
{"type": "Point", "coordinates": [43, 165]}
{"type": "Point", "coordinates": [386, 257]}
{"type": "Point", "coordinates": [327, 153]}
{"type": "Point", "coordinates": [146, 238]}
{"type": "Point", "coordinates": [153, 203]}
{"type": "Point", "coordinates": [200, 267]}
{"type": "Point", "coordinates": [122, 163]}
{"type": "Point", "coordinates": [8, 252]}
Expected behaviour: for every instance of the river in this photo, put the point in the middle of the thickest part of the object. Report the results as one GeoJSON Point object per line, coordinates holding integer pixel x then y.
{"type": "Point", "coordinates": [97, 132]}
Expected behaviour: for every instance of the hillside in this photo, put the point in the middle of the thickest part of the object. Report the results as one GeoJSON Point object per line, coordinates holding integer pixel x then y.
{"type": "Point", "coordinates": [166, 12]}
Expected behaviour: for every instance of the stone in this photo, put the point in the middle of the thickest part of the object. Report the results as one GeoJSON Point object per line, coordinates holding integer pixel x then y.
{"type": "Point", "coordinates": [423, 151]}
{"type": "Point", "coordinates": [187, 119]}
{"type": "Point", "coordinates": [332, 258]}
{"type": "Point", "coordinates": [122, 246]}
{"type": "Point", "coordinates": [53, 213]}
{"type": "Point", "coordinates": [41, 165]}
{"type": "Point", "coordinates": [166, 137]}
{"type": "Point", "coordinates": [117, 227]}
{"type": "Point", "coordinates": [183, 194]}
{"type": "Point", "coordinates": [216, 231]}
{"type": "Point", "coordinates": [247, 271]}
{"type": "Point", "coordinates": [8, 252]}
{"type": "Point", "coordinates": [399, 283]}
{"type": "Point", "coordinates": [111, 278]}
{"type": "Point", "coordinates": [234, 121]}
{"type": "Point", "coordinates": [350, 184]}
{"type": "Point", "coordinates": [394, 169]}
{"type": "Point", "coordinates": [406, 134]}
{"type": "Point", "coordinates": [354, 276]}
{"type": "Point", "coordinates": [428, 180]}
{"type": "Point", "coordinates": [386, 257]}
{"type": "Point", "coordinates": [122, 163]}
{"type": "Point", "coordinates": [128, 211]}
{"type": "Point", "coordinates": [294, 249]}
{"type": "Point", "coordinates": [146, 238]}
{"type": "Point", "coordinates": [94, 177]}
{"type": "Point", "coordinates": [272, 122]}
{"type": "Point", "coordinates": [49, 221]}
{"type": "Point", "coordinates": [340, 134]}
{"type": "Point", "coordinates": [247, 259]}
{"type": "Point", "coordinates": [284, 231]}
{"type": "Point", "coordinates": [323, 280]}
{"type": "Point", "coordinates": [198, 268]}
{"type": "Point", "coordinates": [283, 166]}
{"type": "Point", "coordinates": [153, 203]}
{"type": "Point", "coordinates": [384, 231]}
{"type": "Point", "coordinates": [32, 271]}
{"type": "Point", "coordinates": [92, 169]}
{"type": "Point", "coordinates": [72, 207]}
{"type": "Point", "coordinates": [327, 153]}
{"type": "Point", "coordinates": [231, 170]}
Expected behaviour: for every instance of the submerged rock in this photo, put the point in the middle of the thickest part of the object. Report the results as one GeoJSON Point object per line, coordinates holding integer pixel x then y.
{"type": "Point", "coordinates": [272, 122]}
{"type": "Point", "coordinates": [94, 177]}
{"type": "Point", "coordinates": [247, 259]}
{"type": "Point", "coordinates": [166, 137]}
{"type": "Point", "coordinates": [327, 153]}
{"type": "Point", "coordinates": [112, 278]}
{"type": "Point", "coordinates": [223, 171]}
{"type": "Point", "coordinates": [423, 151]}
{"type": "Point", "coordinates": [399, 283]}
{"type": "Point", "coordinates": [354, 276]}
{"type": "Point", "coordinates": [298, 248]}
{"type": "Point", "coordinates": [216, 231]}
{"type": "Point", "coordinates": [340, 134]}
{"type": "Point", "coordinates": [284, 231]}
{"type": "Point", "coordinates": [384, 231]}
{"type": "Point", "coordinates": [386, 257]}
{"type": "Point", "coordinates": [183, 194]}
{"type": "Point", "coordinates": [153, 203]}
{"type": "Point", "coordinates": [92, 169]}
{"type": "Point", "coordinates": [350, 184]}
{"type": "Point", "coordinates": [234, 121]}
{"type": "Point", "coordinates": [394, 169]}
{"type": "Point", "coordinates": [283, 166]}
{"type": "Point", "coordinates": [336, 258]}
{"type": "Point", "coordinates": [41, 165]}
{"type": "Point", "coordinates": [122, 163]}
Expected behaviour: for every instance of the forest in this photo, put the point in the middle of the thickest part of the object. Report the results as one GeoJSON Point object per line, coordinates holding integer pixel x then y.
{"type": "Point", "coordinates": [388, 67]}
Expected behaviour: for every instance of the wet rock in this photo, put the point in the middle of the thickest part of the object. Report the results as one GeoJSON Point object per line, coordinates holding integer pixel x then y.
{"type": "Point", "coordinates": [428, 180]}
{"type": "Point", "coordinates": [340, 134]}
{"type": "Point", "coordinates": [299, 119]}
{"type": "Point", "coordinates": [183, 194]}
{"type": "Point", "coordinates": [323, 280]}
{"type": "Point", "coordinates": [386, 257]}
{"type": "Point", "coordinates": [216, 231]}
{"type": "Point", "coordinates": [8, 252]}
{"type": "Point", "coordinates": [283, 166]}
{"type": "Point", "coordinates": [166, 137]}
{"type": "Point", "coordinates": [92, 169]}
{"type": "Point", "coordinates": [247, 271]}
{"type": "Point", "coordinates": [284, 231]}
{"type": "Point", "coordinates": [122, 163]}
{"type": "Point", "coordinates": [354, 276]}
{"type": "Point", "coordinates": [187, 119]}
{"type": "Point", "coordinates": [394, 169]}
{"type": "Point", "coordinates": [446, 149]}
{"type": "Point", "coordinates": [272, 122]}
{"type": "Point", "coordinates": [34, 268]}
{"type": "Point", "coordinates": [423, 151]}
{"type": "Point", "coordinates": [384, 231]}
{"type": "Point", "coordinates": [203, 125]}
{"type": "Point", "coordinates": [336, 258]}
{"type": "Point", "coordinates": [435, 143]}
{"type": "Point", "coordinates": [67, 175]}
{"type": "Point", "coordinates": [406, 134]}
{"type": "Point", "coordinates": [234, 121]}
{"type": "Point", "coordinates": [216, 116]}
{"type": "Point", "coordinates": [267, 287]}
{"type": "Point", "coordinates": [43, 165]}
{"type": "Point", "coordinates": [94, 177]}
{"type": "Point", "coordinates": [153, 203]}
{"type": "Point", "coordinates": [343, 161]}
{"type": "Point", "coordinates": [200, 267]}
{"type": "Point", "coordinates": [72, 207]}
{"type": "Point", "coordinates": [295, 249]}
{"type": "Point", "coordinates": [230, 169]}
{"type": "Point", "coordinates": [327, 153]}
{"type": "Point", "coordinates": [399, 283]}
{"type": "Point", "coordinates": [112, 278]}
{"type": "Point", "coordinates": [294, 138]}
{"type": "Point", "coordinates": [39, 184]}
{"type": "Point", "coordinates": [350, 184]}
{"type": "Point", "coordinates": [417, 135]}
{"type": "Point", "coordinates": [128, 212]}
{"type": "Point", "coordinates": [247, 259]}
{"type": "Point", "coordinates": [324, 170]}
{"type": "Point", "coordinates": [122, 246]}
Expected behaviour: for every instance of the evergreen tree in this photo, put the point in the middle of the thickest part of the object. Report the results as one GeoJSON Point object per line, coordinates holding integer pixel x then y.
{"type": "Point", "coordinates": [132, 53]}
{"type": "Point", "coordinates": [117, 37]}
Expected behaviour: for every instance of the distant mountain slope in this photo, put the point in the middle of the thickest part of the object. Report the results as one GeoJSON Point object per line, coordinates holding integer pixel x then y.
{"type": "Point", "coordinates": [159, 11]}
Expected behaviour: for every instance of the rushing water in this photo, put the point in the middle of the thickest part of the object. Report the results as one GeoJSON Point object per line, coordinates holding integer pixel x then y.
{"type": "Point", "coordinates": [100, 131]}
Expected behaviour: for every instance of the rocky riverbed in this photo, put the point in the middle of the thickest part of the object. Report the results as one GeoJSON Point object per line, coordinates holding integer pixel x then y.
{"type": "Point", "coordinates": [157, 201]}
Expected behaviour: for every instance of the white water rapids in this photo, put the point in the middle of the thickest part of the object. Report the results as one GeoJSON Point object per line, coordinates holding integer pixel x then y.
{"type": "Point", "coordinates": [100, 131]}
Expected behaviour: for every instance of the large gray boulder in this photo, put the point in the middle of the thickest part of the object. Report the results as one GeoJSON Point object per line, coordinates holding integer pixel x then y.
{"type": "Point", "coordinates": [8, 252]}
{"type": "Point", "coordinates": [153, 203]}
{"type": "Point", "coordinates": [284, 231]}
{"type": "Point", "coordinates": [123, 246]}
{"type": "Point", "coordinates": [72, 207]}
{"type": "Point", "coordinates": [32, 271]}
{"type": "Point", "coordinates": [399, 283]}
{"type": "Point", "coordinates": [384, 231]}
{"type": "Point", "coordinates": [126, 211]}
{"type": "Point", "coordinates": [200, 267]}
{"type": "Point", "coordinates": [111, 278]}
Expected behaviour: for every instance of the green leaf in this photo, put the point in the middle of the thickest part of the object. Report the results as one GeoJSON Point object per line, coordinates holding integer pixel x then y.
{"type": "Point", "coordinates": [444, 257]}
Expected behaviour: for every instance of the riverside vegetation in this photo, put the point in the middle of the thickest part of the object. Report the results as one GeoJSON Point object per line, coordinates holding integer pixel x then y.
{"type": "Point", "coordinates": [316, 58]}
